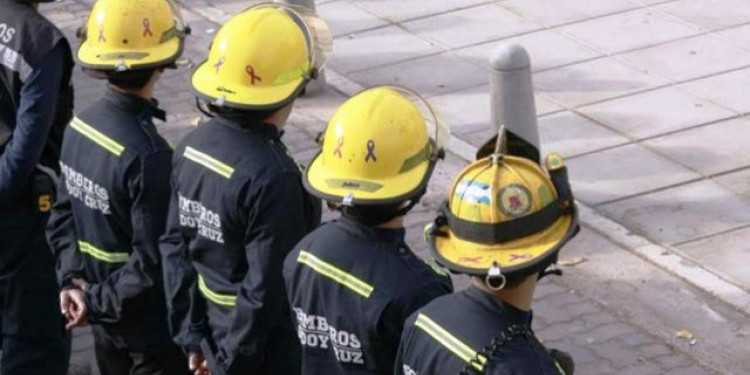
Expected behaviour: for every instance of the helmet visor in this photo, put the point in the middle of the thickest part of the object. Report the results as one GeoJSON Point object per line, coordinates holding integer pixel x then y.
{"type": "Point", "coordinates": [439, 130]}
{"type": "Point", "coordinates": [317, 32]}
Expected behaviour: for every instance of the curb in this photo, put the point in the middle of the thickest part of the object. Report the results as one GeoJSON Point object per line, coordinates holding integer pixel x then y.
{"type": "Point", "coordinates": [662, 256]}
{"type": "Point", "coordinates": [667, 258]}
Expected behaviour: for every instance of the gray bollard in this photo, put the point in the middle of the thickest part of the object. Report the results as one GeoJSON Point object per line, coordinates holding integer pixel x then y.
{"type": "Point", "coordinates": [317, 85]}
{"type": "Point", "coordinates": [512, 93]}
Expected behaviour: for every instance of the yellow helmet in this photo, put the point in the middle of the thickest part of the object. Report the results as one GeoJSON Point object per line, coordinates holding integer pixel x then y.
{"type": "Point", "coordinates": [263, 57]}
{"type": "Point", "coordinates": [131, 35]}
{"type": "Point", "coordinates": [377, 149]}
{"type": "Point", "coordinates": [505, 217]}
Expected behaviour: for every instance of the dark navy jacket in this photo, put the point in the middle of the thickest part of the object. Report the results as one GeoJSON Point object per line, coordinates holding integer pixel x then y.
{"type": "Point", "coordinates": [237, 209]}
{"type": "Point", "coordinates": [111, 210]}
{"type": "Point", "coordinates": [455, 334]}
{"type": "Point", "coordinates": [35, 105]}
{"type": "Point", "coordinates": [351, 287]}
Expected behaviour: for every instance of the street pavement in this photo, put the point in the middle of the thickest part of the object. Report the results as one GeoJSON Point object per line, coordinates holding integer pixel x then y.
{"type": "Point", "coordinates": [644, 99]}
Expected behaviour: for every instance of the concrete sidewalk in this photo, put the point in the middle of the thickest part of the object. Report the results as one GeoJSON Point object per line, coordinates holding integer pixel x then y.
{"type": "Point", "coordinates": [642, 98]}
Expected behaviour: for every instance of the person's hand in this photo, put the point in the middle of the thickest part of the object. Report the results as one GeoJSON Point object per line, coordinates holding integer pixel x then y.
{"type": "Point", "coordinates": [198, 364]}
{"type": "Point", "coordinates": [73, 307]}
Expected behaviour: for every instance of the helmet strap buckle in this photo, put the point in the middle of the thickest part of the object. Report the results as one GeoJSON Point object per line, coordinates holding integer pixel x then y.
{"type": "Point", "coordinates": [439, 155]}
{"type": "Point", "coordinates": [495, 280]}
{"type": "Point", "coordinates": [552, 269]}
{"type": "Point", "coordinates": [348, 200]}
{"type": "Point", "coordinates": [219, 102]}
{"type": "Point", "coordinates": [314, 73]}
{"type": "Point", "coordinates": [121, 66]}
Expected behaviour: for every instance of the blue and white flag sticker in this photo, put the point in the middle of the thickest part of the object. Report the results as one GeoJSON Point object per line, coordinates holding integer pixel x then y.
{"type": "Point", "coordinates": [473, 192]}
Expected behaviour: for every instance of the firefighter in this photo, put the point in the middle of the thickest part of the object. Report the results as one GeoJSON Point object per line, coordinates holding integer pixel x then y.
{"type": "Point", "coordinates": [113, 202]}
{"type": "Point", "coordinates": [238, 204]}
{"type": "Point", "coordinates": [353, 282]}
{"type": "Point", "coordinates": [504, 224]}
{"type": "Point", "coordinates": [36, 102]}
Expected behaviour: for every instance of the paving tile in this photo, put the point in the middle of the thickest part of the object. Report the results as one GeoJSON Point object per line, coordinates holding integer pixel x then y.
{"type": "Point", "coordinates": [546, 48]}
{"type": "Point", "coordinates": [593, 81]}
{"type": "Point", "coordinates": [708, 13]}
{"type": "Point", "coordinates": [621, 172]}
{"type": "Point", "coordinates": [545, 105]}
{"type": "Point", "coordinates": [709, 149]}
{"type": "Point", "coordinates": [737, 35]}
{"type": "Point", "coordinates": [733, 258]}
{"type": "Point", "coordinates": [235, 6]}
{"type": "Point", "coordinates": [669, 216]}
{"type": "Point", "coordinates": [344, 18]}
{"type": "Point", "coordinates": [629, 30]}
{"type": "Point", "coordinates": [736, 182]}
{"type": "Point", "coordinates": [399, 10]}
{"type": "Point", "coordinates": [728, 89]}
{"type": "Point", "coordinates": [556, 12]}
{"type": "Point", "coordinates": [690, 58]}
{"type": "Point", "coordinates": [571, 134]}
{"type": "Point", "coordinates": [431, 75]}
{"type": "Point", "coordinates": [470, 26]}
{"type": "Point", "coordinates": [377, 47]}
{"type": "Point", "coordinates": [656, 112]}
{"type": "Point", "coordinates": [651, 2]}
{"type": "Point", "coordinates": [468, 111]}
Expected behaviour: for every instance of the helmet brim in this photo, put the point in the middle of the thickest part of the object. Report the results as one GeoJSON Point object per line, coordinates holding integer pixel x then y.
{"type": "Point", "coordinates": [207, 85]}
{"type": "Point", "coordinates": [334, 186]}
{"type": "Point", "coordinates": [97, 58]}
{"type": "Point", "coordinates": [512, 257]}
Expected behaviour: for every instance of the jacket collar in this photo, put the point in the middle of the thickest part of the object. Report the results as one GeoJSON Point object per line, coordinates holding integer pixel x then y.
{"type": "Point", "coordinates": [378, 234]}
{"type": "Point", "coordinates": [489, 302]}
{"type": "Point", "coordinates": [134, 104]}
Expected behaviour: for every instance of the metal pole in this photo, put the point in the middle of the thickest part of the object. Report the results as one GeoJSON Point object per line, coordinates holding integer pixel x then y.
{"type": "Point", "coordinates": [318, 84]}
{"type": "Point", "coordinates": [512, 93]}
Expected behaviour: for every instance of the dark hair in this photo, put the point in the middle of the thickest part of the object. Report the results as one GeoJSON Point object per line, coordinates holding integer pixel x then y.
{"type": "Point", "coordinates": [240, 115]}
{"type": "Point", "coordinates": [373, 215]}
{"type": "Point", "coordinates": [243, 115]}
{"type": "Point", "coordinates": [127, 80]}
